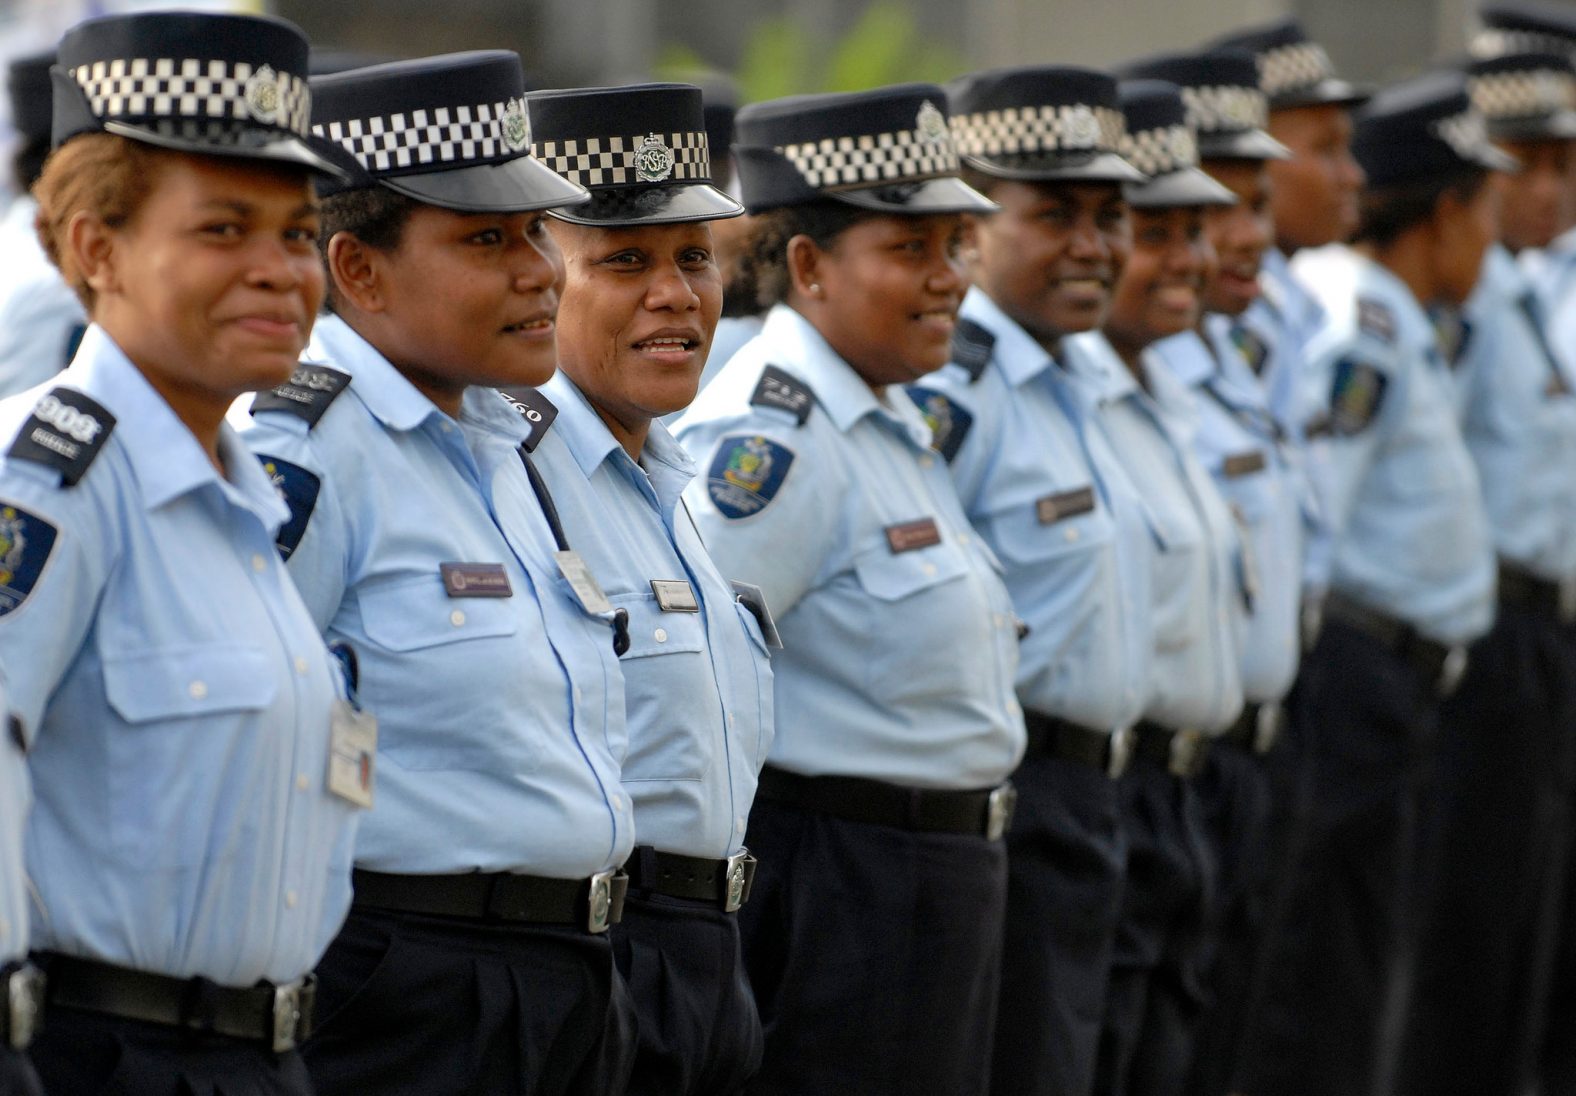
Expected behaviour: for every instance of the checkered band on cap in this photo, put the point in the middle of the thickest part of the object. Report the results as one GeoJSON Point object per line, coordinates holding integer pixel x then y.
{"type": "Point", "coordinates": [436, 135]}
{"type": "Point", "coordinates": [1497, 43]}
{"type": "Point", "coordinates": [645, 158]}
{"type": "Point", "coordinates": [871, 159]}
{"type": "Point", "coordinates": [1466, 133]}
{"type": "Point", "coordinates": [1019, 131]}
{"type": "Point", "coordinates": [1526, 93]}
{"type": "Point", "coordinates": [169, 87]}
{"type": "Point", "coordinates": [1293, 67]}
{"type": "Point", "coordinates": [1225, 108]}
{"type": "Point", "coordinates": [1161, 150]}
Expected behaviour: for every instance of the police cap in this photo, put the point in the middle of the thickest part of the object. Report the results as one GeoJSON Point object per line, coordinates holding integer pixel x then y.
{"type": "Point", "coordinates": [1294, 71]}
{"type": "Point", "coordinates": [1160, 144]}
{"type": "Point", "coordinates": [1226, 109]}
{"type": "Point", "coordinates": [1525, 96]}
{"type": "Point", "coordinates": [1525, 26]}
{"type": "Point", "coordinates": [1423, 128]}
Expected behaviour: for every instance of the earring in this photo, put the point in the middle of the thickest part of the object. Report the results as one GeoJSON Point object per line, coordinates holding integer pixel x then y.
{"type": "Point", "coordinates": [815, 289]}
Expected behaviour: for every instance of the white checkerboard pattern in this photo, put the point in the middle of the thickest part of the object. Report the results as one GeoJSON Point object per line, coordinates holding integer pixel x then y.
{"type": "Point", "coordinates": [1031, 130]}
{"type": "Point", "coordinates": [169, 87]}
{"type": "Point", "coordinates": [1161, 150]}
{"type": "Point", "coordinates": [1466, 133]}
{"type": "Point", "coordinates": [1293, 67]}
{"type": "Point", "coordinates": [1526, 93]}
{"type": "Point", "coordinates": [610, 161]}
{"type": "Point", "coordinates": [1497, 43]}
{"type": "Point", "coordinates": [439, 135]}
{"type": "Point", "coordinates": [871, 159]}
{"type": "Point", "coordinates": [1225, 108]}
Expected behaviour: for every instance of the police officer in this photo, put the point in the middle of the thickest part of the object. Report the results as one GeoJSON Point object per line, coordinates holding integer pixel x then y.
{"type": "Point", "coordinates": [475, 959]}
{"type": "Point", "coordinates": [873, 933]}
{"type": "Point", "coordinates": [1412, 584]}
{"type": "Point", "coordinates": [21, 986]}
{"type": "Point", "coordinates": [1196, 605]}
{"type": "Point", "coordinates": [190, 839]}
{"type": "Point", "coordinates": [41, 319]}
{"type": "Point", "coordinates": [1042, 484]}
{"type": "Point", "coordinates": [640, 303]}
{"type": "Point", "coordinates": [1505, 742]}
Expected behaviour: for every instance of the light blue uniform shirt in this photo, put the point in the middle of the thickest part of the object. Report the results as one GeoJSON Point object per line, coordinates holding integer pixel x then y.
{"type": "Point", "coordinates": [1195, 553]}
{"type": "Point", "coordinates": [698, 684]}
{"type": "Point", "coordinates": [898, 665]}
{"type": "Point", "coordinates": [1041, 483]}
{"type": "Point", "coordinates": [1553, 274]}
{"type": "Point", "coordinates": [16, 796]}
{"type": "Point", "coordinates": [1241, 445]}
{"type": "Point", "coordinates": [1411, 534]}
{"type": "Point", "coordinates": [500, 719]}
{"type": "Point", "coordinates": [40, 317]}
{"type": "Point", "coordinates": [1518, 414]}
{"type": "Point", "coordinates": [178, 700]}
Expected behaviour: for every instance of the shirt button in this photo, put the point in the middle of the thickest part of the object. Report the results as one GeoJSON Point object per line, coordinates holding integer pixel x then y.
{"type": "Point", "coordinates": [577, 694]}
{"type": "Point", "coordinates": [926, 461]}
{"type": "Point", "coordinates": [447, 427]}
{"type": "Point", "coordinates": [259, 564]}
{"type": "Point", "coordinates": [291, 898]}
{"type": "Point", "coordinates": [660, 635]}
{"type": "Point", "coordinates": [731, 720]}
{"type": "Point", "coordinates": [1072, 534]}
{"type": "Point", "coordinates": [302, 782]}
{"type": "Point", "coordinates": [618, 802]}
{"type": "Point", "coordinates": [738, 824]}
{"type": "Point", "coordinates": [197, 690]}
{"type": "Point", "coordinates": [963, 538]}
{"type": "Point", "coordinates": [929, 568]}
{"type": "Point", "coordinates": [457, 617]}
{"type": "Point", "coordinates": [303, 667]}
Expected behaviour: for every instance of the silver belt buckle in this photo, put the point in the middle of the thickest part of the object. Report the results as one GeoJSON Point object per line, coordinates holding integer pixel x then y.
{"type": "Point", "coordinates": [998, 810]}
{"type": "Point", "coordinates": [736, 881]}
{"type": "Point", "coordinates": [599, 911]}
{"type": "Point", "coordinates": [287, 1016]}
{"type": "Point", "coordinates": [24, 1005]}
{"type": "Point", "coordinates": [1187, 751]}
{"type": "Point", "coordinates": [1121, 752]}
{"type": "Point", "coordinates": [1451, 671]}
{"type": "Point", "coordinates": [1267, 731]}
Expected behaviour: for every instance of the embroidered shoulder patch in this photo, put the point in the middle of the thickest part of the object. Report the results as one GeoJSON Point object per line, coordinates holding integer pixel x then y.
{"type": "Point", "coordinates": [536, 409]}
{"type": "Point", "coordinates": [782, 390]}
{"type": "Point", "coordinates": [299, 489]}
{"type": "Point", "coordinates": [65, 432]}
{"type": "Point", "coordinates": [746, 472]}
{"type": "Point", "coordinates": [1376, 318]}
{"type": "Point", "coordinates": [972, 346]}
{"type": "Point", "coordinates": [949, 423]}
{"type": "Point", "coordinates": [307, 394]}
{"type": "Point", "coordinates": [1253, 349]}
{"type": "Point", "coordinates": [1355, 397]}
{"type": "Point", "coordinates": [26, 542]}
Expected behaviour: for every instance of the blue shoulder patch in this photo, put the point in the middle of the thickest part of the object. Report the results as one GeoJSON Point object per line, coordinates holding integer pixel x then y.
{"type": "Point", "coordinates": [746, 472]}
{"type": "Point", "coordinates": [26, 541]}
{"type": "Point", "coordinates": [299, 489]}
{"type": "Point", "coordinates": [1355, 396]}
{"type": "Point", "coordinates": [949, 423]}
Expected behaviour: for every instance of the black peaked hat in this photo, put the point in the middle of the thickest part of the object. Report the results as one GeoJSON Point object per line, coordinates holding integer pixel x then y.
{"type": "Point", "coordinates": [1161, 145]}
{"type": "Point", "coordinates": [1525, 96]}
{"type": "Point", "coordinates": [1041, 123]}
{"type": "Point", "coordinates": [220, 85]}
{"type": "Point", "coordinates": [1294, 71]}
{"type": "Point", "coordinates": [1525, 26]}
{"type": "Point", "coordinates": [640, 150]}
{"type": "Point", "coordinates": [28, 86]}
{"type": "Point", "coordinates": [1421, 129]}
{"type": "Point", "coordinates": [888, 149]}
{"type": "Point", "coordinates": [451, 131]}
{"type": "Point", "coordinates": [1226, 109]}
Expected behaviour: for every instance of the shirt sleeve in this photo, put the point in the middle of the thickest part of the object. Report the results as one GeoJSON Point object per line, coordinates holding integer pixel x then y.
{"type": "Point", "coordinates": [1364, 395]}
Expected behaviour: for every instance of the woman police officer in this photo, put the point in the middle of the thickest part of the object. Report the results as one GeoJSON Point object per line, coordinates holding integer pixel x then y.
{"type": "Point", "coordinates": [878, 819]}
{"type": "Point", "coordinates": [190, 840]}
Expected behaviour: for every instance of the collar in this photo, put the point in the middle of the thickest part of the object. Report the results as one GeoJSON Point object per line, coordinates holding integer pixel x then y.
{"type": "Point", "coordinates": [1016, 353]}
{"type": "Point", "coordinates": [382, 389]}
{"type": "Point", "coordinates": [1503, 274]}
{"type": "Point", "coordinates": [663, 461]}
{"type": "Point", "coordinates": [1186, 357]}
{"type": "Point", "coordinates": [1092, 357]}
{"type": "Point", "coordinates": [841, 393]}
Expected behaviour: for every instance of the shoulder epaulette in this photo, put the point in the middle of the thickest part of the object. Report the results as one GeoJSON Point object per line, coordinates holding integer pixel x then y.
{"type": "Point", "coordinates": [972, 346]}
{"type": "Point", "coordinates": [1376, 318]}
{"type": "Point", "coordinates": [307, 394]}
{"type": "Point", "coordinates": [778, 388]}
{"type": "Point", "coordinates": [65, 432]}
{"type": "Point", "coordinates": [534, 408]}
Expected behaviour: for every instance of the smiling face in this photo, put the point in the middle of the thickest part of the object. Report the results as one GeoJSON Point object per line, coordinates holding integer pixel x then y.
{"type": "Point", "coordinates": [1536, 202]}
{"type": "Point", "coordinates": [212, 285]}
{"type": "Point", "coordinates": [885, 293]}
{"type": "Point", "coordinates": [639, 310]}
{"type": "Point", "coordinates": [1240, 234]}
{"type": "Point", "coordinates": [1316, 191]}
{"type": "Point", "coordinates": [1161, 290]}
{"type": "Point", "coordinates": [1050, 258]}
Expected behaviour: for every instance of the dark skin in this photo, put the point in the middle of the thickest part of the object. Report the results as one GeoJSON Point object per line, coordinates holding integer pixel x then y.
{"type": "Point", "coordinates": [1536, 203]}
{"type": "Point", "coordinates": [885, 294]}
{"type": "Point", "coordinates": [1440, 258]}
{"type": "Point", "coordinates": [1051, 257]}
{"type": "Point", "coordinates": [1240, 234]}
{"type": "Point", "coordinates": [1160, 293]}
{"type": "Point", "coordinates": [1315, 192]}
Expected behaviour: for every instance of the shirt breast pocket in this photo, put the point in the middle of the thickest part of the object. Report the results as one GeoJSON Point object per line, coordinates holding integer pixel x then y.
{"type": "Point", "coordinates": [921, 609]}
{"type": "Point", "coordinates": [666, 675]}
{"type": "Point", "coordinates": [189, 776]}
{"type": "Point", "coordinates": [1019, 536]}
{"type": "Point", "coordinates": [757, 668]}
{"type": "Point", "coordinates": [417, 614]}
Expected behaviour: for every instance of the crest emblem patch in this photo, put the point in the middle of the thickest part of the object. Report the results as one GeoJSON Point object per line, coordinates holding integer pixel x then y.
{"type": "Point", "coordinates": [746, 473]}
{"type": "Point", "coordinates": [26, 542]}
{"type": "Point", "coordinates": [516, 125]}
{"type": "Point", "coordinates": [931, 125]}
{"type": "Point", "coordinates": [262, 95]}
{"type": "Point", "coordinates": [653, 160]}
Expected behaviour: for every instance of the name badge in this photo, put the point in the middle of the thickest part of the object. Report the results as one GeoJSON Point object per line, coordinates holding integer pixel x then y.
{"type": "Point", "coordinates": [1053, 508]}
{"type": "Point", "coordinates": [753, 598]}
{"type": "Point", "coordinates": [911, 535]}
{"type": "Point", "coordinates": [475, 580]}
{"type": "Point", "coordinates": [352, 753]}
{"type": "Point", "coordinates": [1242, 464]}
{"type": "Point", "coordinates": [674, 595]}
{"type": "Point", "coordinates": [584, 584]}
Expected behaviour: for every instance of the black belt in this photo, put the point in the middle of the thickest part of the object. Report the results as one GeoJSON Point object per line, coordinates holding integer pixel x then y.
{"type": "Point", "coordinates": [726, 882]}
{"type": "Point", "coordinates": [1052, 736]}
{"type": "Point", "coordinates": [985, 813]}
{"type": "Point", "coordinates": [1256, 729]}
{"type": "Point", "coordinates": [592, 904]}
{"type": "Point", "coordinates": [278, 1017]}
{"type": "Point", "coordinates": [1520, 587]}
{"type": "Point", "coordinates": [23, 1009]}
{"type": "Point", "coordinates": [1180, 751]}
{"type": "Point", "coordinates": [1440, 663]}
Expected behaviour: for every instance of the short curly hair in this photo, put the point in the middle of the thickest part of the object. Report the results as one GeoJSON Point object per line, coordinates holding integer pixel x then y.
{"type": "Point", "coordinates": [761, 278]}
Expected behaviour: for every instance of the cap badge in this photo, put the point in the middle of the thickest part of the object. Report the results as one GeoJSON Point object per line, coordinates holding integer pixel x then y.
{"type": "Point", "coordinates": [931, 123]}
{"type": "Point", "coordinates": [262, 94]}
{"type": "Point", "coordinates": [516, 126]}
{"type": "Point", "coordinates": [1083, 128]}
{"type": "Point", "coordinates": [653, 160]}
